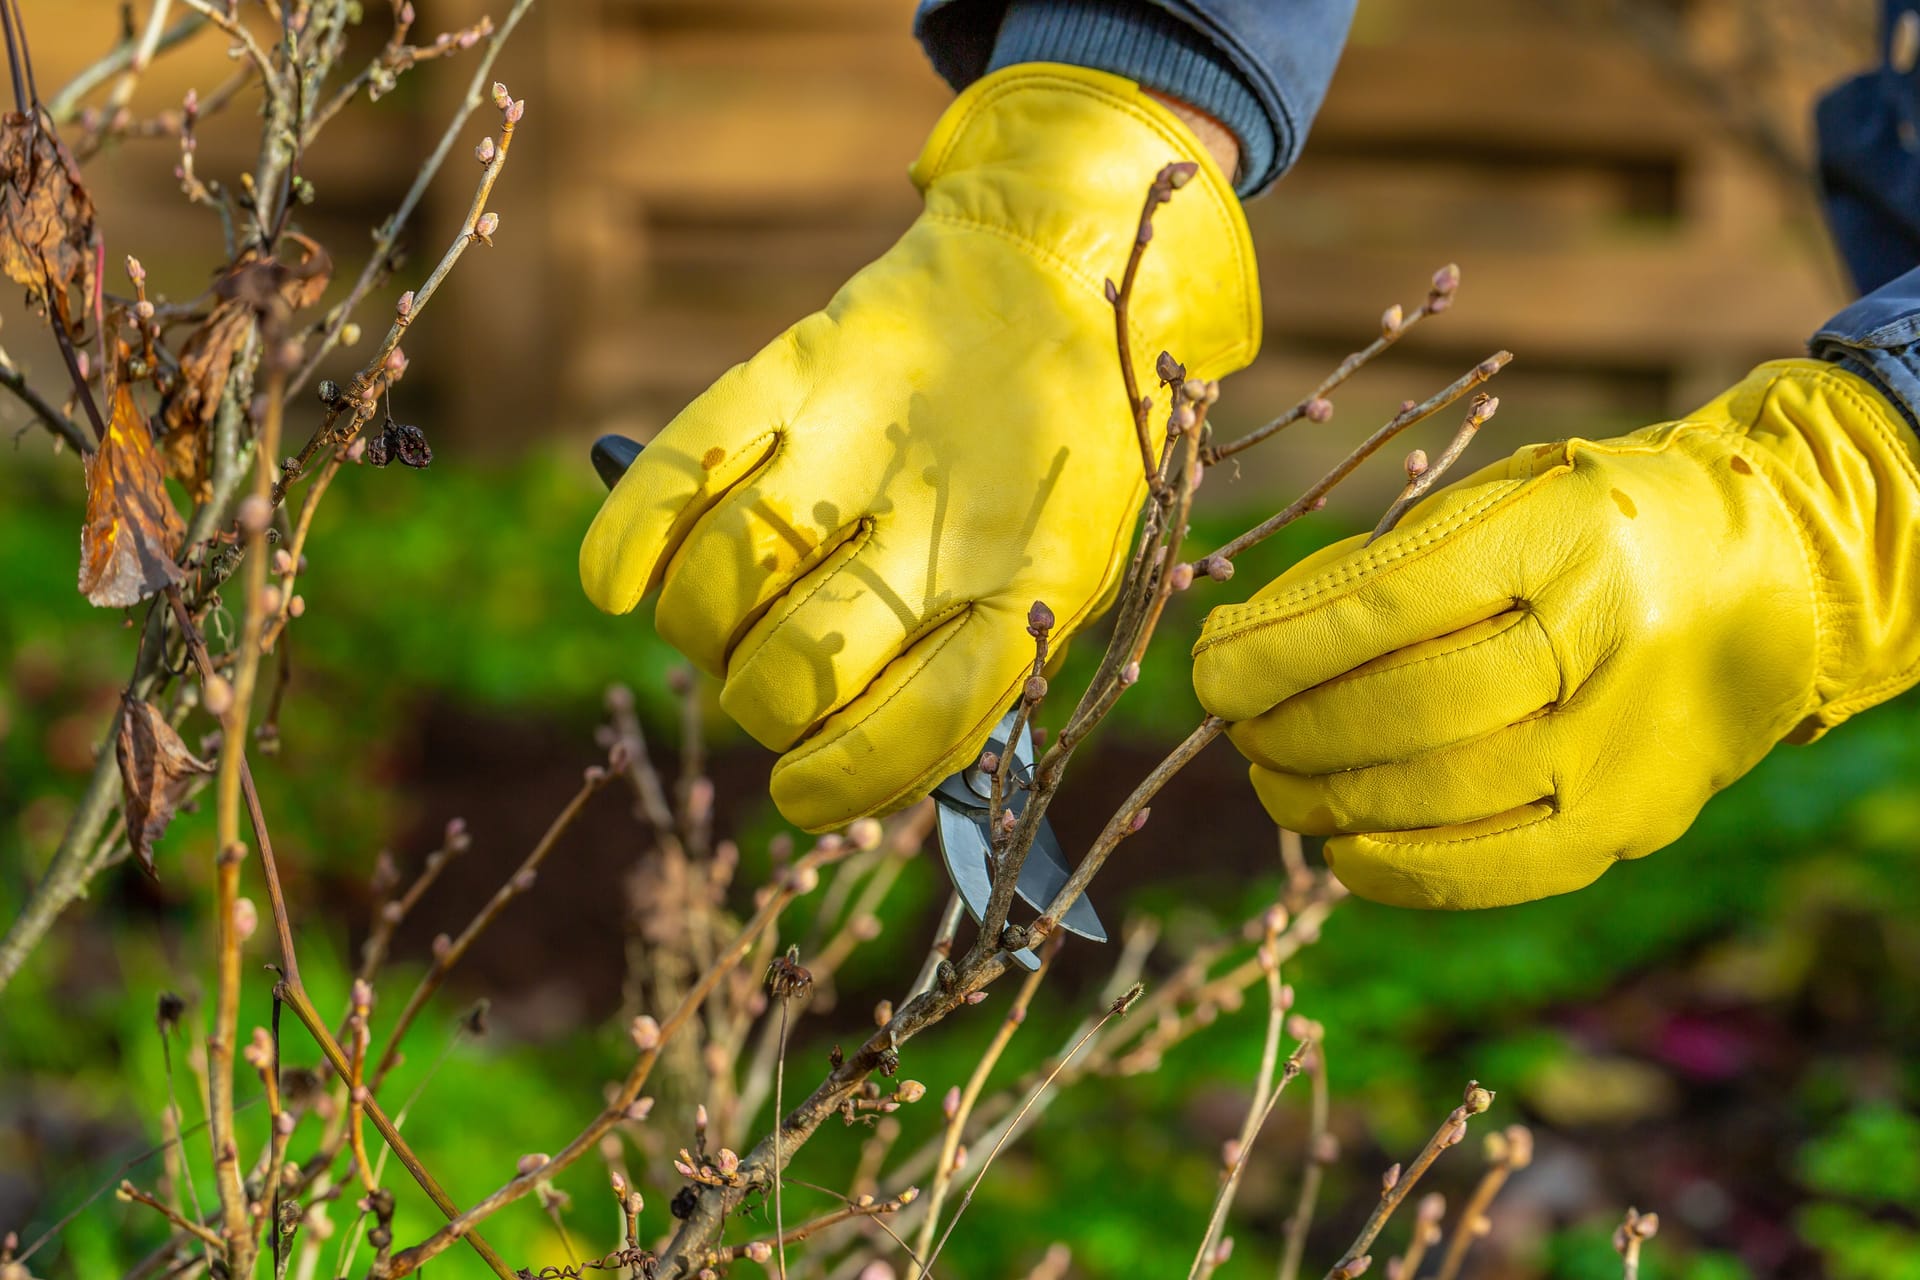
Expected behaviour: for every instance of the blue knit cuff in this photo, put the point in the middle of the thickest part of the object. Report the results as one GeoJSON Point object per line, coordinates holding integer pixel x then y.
{"type": "Point", "coordinates": [1150, 46]}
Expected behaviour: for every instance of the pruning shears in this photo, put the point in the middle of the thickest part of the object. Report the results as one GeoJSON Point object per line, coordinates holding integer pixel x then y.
{"type": "Point", "coordinates": [963, 801]}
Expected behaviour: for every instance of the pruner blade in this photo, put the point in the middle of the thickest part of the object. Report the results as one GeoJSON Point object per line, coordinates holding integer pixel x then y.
{"type": "Point", "coordinates": [963, 802]}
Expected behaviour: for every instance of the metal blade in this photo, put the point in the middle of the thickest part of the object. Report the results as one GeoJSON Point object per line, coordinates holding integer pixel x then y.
{"type": "Point", "coordinates": [964, 845]}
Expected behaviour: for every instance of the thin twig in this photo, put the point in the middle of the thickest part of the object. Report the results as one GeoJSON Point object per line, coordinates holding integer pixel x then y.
{"type": "Point", "coordinates": [1450, 1132]}
{"type": "Point", "coordinates": [130, 1192]}
{"type": "Point", "coordinates": [1266, 1093]}
{"type": "Point", "coordinates": [1114, 1010]}
{"type": "Point", "coordinates": [802, 877]}
{"type": "Point", "coordinates": [945, 1165]}
{"type": "Point", "coordinates": [1311, 499]}
{"type": "Point", "coordinates": [1423, 475]}
{"type": "Point", "coordinates": [1319, 1155]}
{"type": "Point", "coordinates": [1314, 404]}
{"type": "Point", "coordinates": [521, 881]}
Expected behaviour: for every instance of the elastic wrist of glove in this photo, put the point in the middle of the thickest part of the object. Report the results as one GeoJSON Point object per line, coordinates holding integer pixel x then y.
{"type": "Point", "coordinates": [1148, 45]}
{"type": "Point", "coordinates": [1846, 468]}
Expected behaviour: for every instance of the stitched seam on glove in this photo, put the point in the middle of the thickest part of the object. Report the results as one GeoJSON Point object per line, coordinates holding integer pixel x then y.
{"type": "Point", "coordinates": [807, 752]}
{"type": "Point", "coordinates": [1258, 614]}
{"type": "Point", "coordinates": [1351, 679]}
{"type": "Point", "coordinates": [1387, 837]}
{"type": "Point", "coordinates": [857, 540]}
{"type": "Point", "coordinates": [919, 786]}
{"type": "Point", "coordinates": [632, 600]}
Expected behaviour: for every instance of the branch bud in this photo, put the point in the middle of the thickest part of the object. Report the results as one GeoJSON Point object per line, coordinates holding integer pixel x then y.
{"type": "Point", "coordinates": [1392, 320]}
{"type": "Point", "coordinates": [485, 152]}
{"type": "Point", "coordinates": [1319, 409]}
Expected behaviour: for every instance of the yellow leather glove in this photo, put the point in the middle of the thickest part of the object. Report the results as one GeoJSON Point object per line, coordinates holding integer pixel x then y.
{"type": "Point", "coordinates": [1555, 662]}
{"type": "Point", "coordinates": [851, 526]}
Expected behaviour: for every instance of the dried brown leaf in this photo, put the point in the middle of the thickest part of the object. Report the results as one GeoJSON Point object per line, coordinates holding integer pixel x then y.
{"type": "Point", "coordinates": [156, 770]}
{"type": "Point", "coordinates": [46, 217]}
{"type": "Point", "coordinates": [194, 397]}
{"type": "Point", "coordinates": [272, 287]}
{"type": "Point", "coordinates": [132, 531]}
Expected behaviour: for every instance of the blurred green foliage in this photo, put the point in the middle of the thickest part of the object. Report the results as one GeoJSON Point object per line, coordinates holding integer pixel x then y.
{"type": "Point", "coordinates": [459, 584]}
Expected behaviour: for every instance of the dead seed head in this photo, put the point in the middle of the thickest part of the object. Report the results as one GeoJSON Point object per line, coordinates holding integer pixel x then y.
{"type": "Point", "coordinates": [787, 977]}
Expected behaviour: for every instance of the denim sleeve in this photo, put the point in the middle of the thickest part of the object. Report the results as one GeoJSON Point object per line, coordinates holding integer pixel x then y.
{"type": "Point", "coordinates": [1878, 338]}
{"type": "Point", "coordinates": [1259, 66]}
{"type": "Point", "coordinates": [1869, 141]}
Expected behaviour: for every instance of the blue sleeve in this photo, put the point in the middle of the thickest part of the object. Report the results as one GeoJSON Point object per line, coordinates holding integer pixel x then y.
{"type": "Point", "coordinates": [1260, 67]}
{"type": "Point", "coordinates": [1878, 338]}
{"type": "Point", "coordinates": [1869, 141]}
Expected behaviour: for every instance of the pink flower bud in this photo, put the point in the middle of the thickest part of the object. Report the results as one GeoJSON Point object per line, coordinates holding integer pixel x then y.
{"type": "Point", "coordinates": [143, 309]}
{"type": "Point", "coordinates": [1319, 409]}
{"type": "Point", "coordinates": [1181, 578]}
{"type": "Point", "coordinates": [136, 272]}
{"type": "Point", "coordinates": [1391, 320]}
{"type": "Point", "coordinates": [501, 98]}
{"type": "Point", "coordinates": [405, 306]}
{"type": "Point", "coordinates": [645, 1032]}
{"type": "Point", "coordinates": [488, 224]}
{"type": "Point", "coordinates": [1416, 464]}
{"type": "Point", "coordinates": [246, 918]}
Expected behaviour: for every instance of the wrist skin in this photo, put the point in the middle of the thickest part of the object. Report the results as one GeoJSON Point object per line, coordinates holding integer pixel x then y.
{"type": "Point", "coordinates": [1213, 135]}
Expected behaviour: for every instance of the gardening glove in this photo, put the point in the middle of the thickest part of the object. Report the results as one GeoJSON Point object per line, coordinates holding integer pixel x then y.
{"type": "Point", "coordinates": [850, 527]}
{"type": "Point", "coordinates": [1555, 662]}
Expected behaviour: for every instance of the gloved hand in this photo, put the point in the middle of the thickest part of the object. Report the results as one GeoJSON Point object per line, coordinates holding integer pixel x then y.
{"type": "Point", "coordinates": [851, 526]}
{"type": "Point", "coordinates": [1555, 662]}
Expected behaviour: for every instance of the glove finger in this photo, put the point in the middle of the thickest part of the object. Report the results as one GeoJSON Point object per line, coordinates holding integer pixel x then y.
{"type": "Point", "coordinates": [741, 558]}
{"type": "Point", "coordinates": [1412, 702]}
{"type": "Point", "coordinates": [716, 443]}
{"type": "Point", "coordinates": [832, 634]}
{"type": "Point", "coordinates": [1477, 780]}
{"type": "Point", "coordinates": [921, 718]}
{"type": "Point", "coordinates": [1459, 558]}
{"type": "Point", "coordinates": [1527, 853]}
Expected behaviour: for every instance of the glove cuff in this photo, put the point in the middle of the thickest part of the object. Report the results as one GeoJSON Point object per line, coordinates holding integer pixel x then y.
{"type": "Point", "coordinates": [1058, 159]}
{"type": "Point", "coordinates": [1847, 469]}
